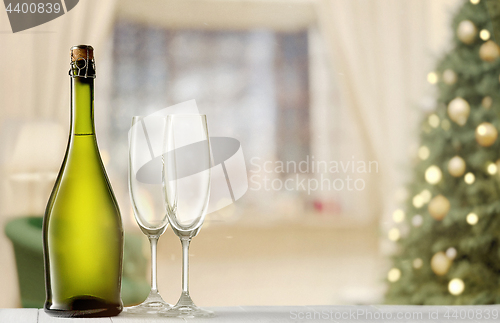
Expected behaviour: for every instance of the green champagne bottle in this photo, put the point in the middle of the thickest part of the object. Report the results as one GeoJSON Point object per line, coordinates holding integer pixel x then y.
{"type": "Point", "coordinates": [82, 230]}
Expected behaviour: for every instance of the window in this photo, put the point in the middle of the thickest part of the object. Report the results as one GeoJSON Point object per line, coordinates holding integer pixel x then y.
{"type": "Point", "coordinates": [251, 84]}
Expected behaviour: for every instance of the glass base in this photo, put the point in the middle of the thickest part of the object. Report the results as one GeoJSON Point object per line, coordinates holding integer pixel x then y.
{"type": "Point", "coordinates": [185, 308]}
{"type": "Point", "coordinates": [153, 304]}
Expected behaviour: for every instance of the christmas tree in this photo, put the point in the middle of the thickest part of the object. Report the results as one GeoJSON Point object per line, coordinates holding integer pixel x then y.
{"type": "Point", "coordinates": [448, 233]}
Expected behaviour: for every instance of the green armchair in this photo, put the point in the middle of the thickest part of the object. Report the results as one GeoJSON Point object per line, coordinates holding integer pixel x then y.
{"type": "Point", "coordinates": [26, 236]}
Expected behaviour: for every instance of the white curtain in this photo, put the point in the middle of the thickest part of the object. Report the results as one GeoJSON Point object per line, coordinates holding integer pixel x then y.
{"type": "Point", "coordinates": [381, 52]}
{"type": "Point", "coordinates": [34, 95]}
{"type": "Point", "coordinates": [37, 60]}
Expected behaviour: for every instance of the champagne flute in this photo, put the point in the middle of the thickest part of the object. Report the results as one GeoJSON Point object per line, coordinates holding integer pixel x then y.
{"type": "Point", "coordinates": [186, 183]}
{"type": "Point", "coordinates": [146, 193]}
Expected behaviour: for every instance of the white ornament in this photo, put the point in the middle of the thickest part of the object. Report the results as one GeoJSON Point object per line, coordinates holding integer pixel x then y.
{"type": "Point", "coordinates": [451, 253]}
{"type": "Point", "coordinates": [417, 220]}
{"type": "Point", "coordinates": [467, 32]}
{"type": "Point", "coordinates": [459, 110]}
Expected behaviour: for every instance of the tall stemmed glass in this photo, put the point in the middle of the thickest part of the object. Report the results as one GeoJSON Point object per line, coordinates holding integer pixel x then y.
{"type": "Point", "coordinates": [186, 180]}
{"type": "Point", "coordinates": [146, 193]}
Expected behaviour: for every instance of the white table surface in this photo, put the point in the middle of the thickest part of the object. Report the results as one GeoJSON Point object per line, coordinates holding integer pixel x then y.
{"type": "Point", "coordinates": [374, 313]}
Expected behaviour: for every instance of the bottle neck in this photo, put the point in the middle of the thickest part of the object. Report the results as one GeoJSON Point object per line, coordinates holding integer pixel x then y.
{"type": "Point", "coordinates": [82, 106]}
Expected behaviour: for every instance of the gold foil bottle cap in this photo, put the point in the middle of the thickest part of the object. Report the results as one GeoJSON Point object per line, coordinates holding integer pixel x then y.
{"type": "Point", "coordinates": [82, 51]}
{"type": "Point", "coordinates": [82, 61]}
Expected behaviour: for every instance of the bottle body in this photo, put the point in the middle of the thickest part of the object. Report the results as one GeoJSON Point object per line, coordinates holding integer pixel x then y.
{"type": "Point", "coordinates": [82, 233]}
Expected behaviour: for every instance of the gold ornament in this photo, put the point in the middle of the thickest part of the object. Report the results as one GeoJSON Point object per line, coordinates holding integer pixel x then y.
{"type": "Point", "coordinates": [456, 166]}
{"type": "Point", "coordinates": [433, 175]}
{"type": "Point", "coordinates": [449, 77]}
{"type": "Point", "coordinates": [487, 102]}
{"type": "Point", "coordinates": [438, 207]}
{"type": "Point", "coordinates": [459, 110]}
{"type": "Point", "coordinates": [489, 51]}
{"type": "Point", "coordinates": [440, 263]}
{"type": "Point", "coordinates": [486, 134]}
{"type": "Point", "coordinates": [467, 32]}
{"type": "Point", "coordinates": [456, 286]}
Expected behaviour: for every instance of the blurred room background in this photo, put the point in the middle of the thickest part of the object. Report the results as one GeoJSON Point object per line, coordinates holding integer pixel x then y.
{"type": "Point", "coordinates": [292, 80]}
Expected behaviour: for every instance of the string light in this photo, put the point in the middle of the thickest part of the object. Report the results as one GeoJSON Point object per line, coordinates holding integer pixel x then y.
{"type": "Point", "coordinates": [469, 178]}
{"type": "Point", "coordinates": [472, 218]}
{"type": "Point", "coordinates": [432, 77]}
{"type": "Point", "coordinates": [426, 195]}
{"type": "Point", "coordinates": [394, 275]}
{"type": "Point", "coordinates": [456, 286]}
{"type": "Point", "coordinates": [423, 152]}
{"type": "Point", "coordinates": [417, 263]}
{"type": "Point", "coordinates": [492, 169]}
{"type": "Point", "coordinates": [394, 234]}
{"type": "Point", "coordinates": [433, 174]}
{"type": "Point", "coordinates": [484, 34]}
{"type": "Point", "coordinates": [474, 1]}
{"type": "Point", "coordinates": [398, 216]}
{"type": "Point", "coordinates": [418, 201]}
{"type": "Point", "coordinates": [434, 120]}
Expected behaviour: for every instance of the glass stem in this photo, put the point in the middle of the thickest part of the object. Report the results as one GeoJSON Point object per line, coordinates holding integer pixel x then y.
{"type": "Point", "coordinates": [153, 241]}
{"type": "Point", "coordinates": [185, 265]}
